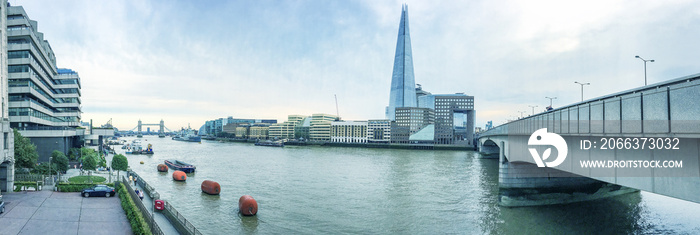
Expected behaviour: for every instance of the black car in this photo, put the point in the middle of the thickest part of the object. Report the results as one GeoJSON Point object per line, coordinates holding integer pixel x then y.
{"type": "Point", "coordinates": [98, 190]}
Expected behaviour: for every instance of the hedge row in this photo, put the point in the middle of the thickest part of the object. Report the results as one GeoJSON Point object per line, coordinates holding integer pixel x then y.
{"type": "Point", "coordinates": [138, 223]}
{"type": "Point", "coordinates": [26, 184]}
{"type": "Point", "coordinates": [73, 187]}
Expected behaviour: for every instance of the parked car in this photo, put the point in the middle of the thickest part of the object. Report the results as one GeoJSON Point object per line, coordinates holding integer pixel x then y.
{"type": "Point", "coordinates": [98, 190]}
{"type": "Point", "coordinates": [2, 205]}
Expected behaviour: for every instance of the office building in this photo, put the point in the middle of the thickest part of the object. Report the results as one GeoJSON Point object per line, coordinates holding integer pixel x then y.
{"type": "Point", "coordinates": [403, 82]}
{"type": "Point", "coordinates": [216, 127]}
{"type": "Point", "coordinates": [259, 132]}
{"type": "Point", "coordinates": [379, 131]}
{"type": "Point", "coordinates": [44, 100]}
{"type": "Point", "coordinates": [454, 117]}
{"type": "Point", "coordinates": [410, 120]}
{"type": "Point", "coordinates": [349, 132]}
{"type": "Point", "coordinates": [7, 150]}
{"type": "Point", "coordinates": [285, 130]}
{"type": "Point", "coordinates": [320, 129]}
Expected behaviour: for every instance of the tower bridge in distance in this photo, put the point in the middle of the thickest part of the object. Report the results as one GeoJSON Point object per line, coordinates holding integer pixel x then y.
{"type": "Point", "coordinates": [666, 116]}
{"type": "Point", "coordinates": [161, 130]}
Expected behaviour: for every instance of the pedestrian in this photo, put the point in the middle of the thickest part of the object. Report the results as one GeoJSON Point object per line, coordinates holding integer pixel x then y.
{"type": "Point", "coordinates": [135, 178]}
{"type": "Point", "coordinates": [141, 195]}
{"type": "Point", "coordinates": [131, 178]}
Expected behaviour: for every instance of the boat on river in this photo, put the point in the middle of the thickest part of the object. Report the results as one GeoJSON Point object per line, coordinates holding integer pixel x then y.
{"type": "Point", "coordinates": [187, 135]}
{"type": "Point", "coordinates": [135, 148]}
{"type": "Point", "coordinates": [180, 166]}
{"type": "Point", "coordinates": [270, 143]}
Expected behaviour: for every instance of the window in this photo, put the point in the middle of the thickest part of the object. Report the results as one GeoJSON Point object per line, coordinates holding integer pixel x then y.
{"type": "Point", "coordinates": [18, 69]}
{"type": "Point", "coordinates": [17, 54]}
{"type": "Point", "coordinates": [16, 27]}
{"type": "Point", "coordinates": [18, 41]}
{"type": "Point", "coordinates": [15, 17]}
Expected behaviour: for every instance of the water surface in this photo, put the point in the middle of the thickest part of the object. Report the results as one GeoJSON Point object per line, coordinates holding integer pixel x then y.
{"type": "Point", "coordinates": [335, 190]}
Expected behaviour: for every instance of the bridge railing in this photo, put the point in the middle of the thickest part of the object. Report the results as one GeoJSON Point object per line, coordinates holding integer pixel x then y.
{"type": "Point", "coordinates": [667, 107]}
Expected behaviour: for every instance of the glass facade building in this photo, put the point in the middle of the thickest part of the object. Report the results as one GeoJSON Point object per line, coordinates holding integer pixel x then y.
{"type": "Point", "coordinates": [402, 79]}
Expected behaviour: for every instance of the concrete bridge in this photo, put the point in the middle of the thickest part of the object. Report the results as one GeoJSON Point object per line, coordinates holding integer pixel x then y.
{"type": "Point", "coordinates": [646, 138]}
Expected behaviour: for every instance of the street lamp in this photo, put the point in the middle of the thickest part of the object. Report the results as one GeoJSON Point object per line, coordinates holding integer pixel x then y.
{"type": "Point", "coordinates": [50, 173]}
{"type": "Point", "coordinates": [521, 113]}
{"type": "Point", "coordinates": [550, 100]}
{"type": "Point", "coordinates": [582, 84]}
{"type": "Point", "coordinates": [533, 108]}
{"type": "Point", "coordinates": [645, 67]}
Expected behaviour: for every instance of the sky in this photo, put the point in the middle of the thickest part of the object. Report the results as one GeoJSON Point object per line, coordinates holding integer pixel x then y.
{"type": "Point", "coordinates": [190, 61]}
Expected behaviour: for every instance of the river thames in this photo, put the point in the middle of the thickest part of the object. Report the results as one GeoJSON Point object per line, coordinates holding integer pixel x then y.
{"type": "Point", "coordinates": [336, 190]}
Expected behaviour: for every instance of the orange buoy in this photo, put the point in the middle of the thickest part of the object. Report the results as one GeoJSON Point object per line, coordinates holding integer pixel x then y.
{"type": "Point", "coordinates": [211, 187]}
{"type": "Point", "coordinates": [179, 176]}
{"type": "Point", "coordinates": [162, 168]}
{"type": "Point", "coordinates": [247, 205]}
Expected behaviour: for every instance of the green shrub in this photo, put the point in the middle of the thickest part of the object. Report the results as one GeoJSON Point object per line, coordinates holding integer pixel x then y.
{"type": "Point", "coordinates": [138, 223]}
{"type": "Point", "coordinates": [25, 184]}
{"type": "Point", "coordinates": [76, 187]}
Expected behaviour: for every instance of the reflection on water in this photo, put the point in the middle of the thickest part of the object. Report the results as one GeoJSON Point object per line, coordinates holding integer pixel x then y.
{"type": "Point", "coordinates": [250, 223]}
{"type": "Point", "coordinates": [618, 215]}
{"type": "Point", "coordinates": [312, 190]}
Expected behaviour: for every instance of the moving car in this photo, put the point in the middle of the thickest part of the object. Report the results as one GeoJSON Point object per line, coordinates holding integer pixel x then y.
{"type": "Point", "coordinates": [98, 190]}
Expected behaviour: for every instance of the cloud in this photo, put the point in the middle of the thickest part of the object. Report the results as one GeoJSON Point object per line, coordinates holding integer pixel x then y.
{"type": "Point", "coordinates": [188, 62]}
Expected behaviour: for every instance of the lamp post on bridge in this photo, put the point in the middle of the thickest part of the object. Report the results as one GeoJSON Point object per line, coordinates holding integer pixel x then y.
{"type": "Point", "coordinates": [582, 84]}
{"type": "Point", "coordinates": [550, 100]}
{"type": "Point", "coordinates": [522, 113]}
{"type": "Point", "coordinates": [533, 108]}
{"type": "Point", "coordinates": [645, 67]}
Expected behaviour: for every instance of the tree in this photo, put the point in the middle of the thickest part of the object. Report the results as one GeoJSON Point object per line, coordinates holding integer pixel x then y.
{"type": "Point", "coordinates": [86, 152]}
{"type": "Point", "coordinates": [73, 154]}
{"type": "Point", "coordinates": [103, 162]}
{"type": "Point", "coordinates": [89, 163]}
{"type": "Point", "coordinates": [119, 163]}
{"type": "Point", "coordinates": [44, 169]}
{"type": "Point", "coordinates": [60, 160]}
{"type": "Point", "coordinates": [25, 152]}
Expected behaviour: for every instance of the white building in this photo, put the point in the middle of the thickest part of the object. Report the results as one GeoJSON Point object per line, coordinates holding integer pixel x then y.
{"type": "Point", "coordinates": [349, 132]}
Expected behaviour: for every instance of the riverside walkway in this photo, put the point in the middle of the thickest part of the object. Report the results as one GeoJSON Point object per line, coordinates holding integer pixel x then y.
{"type": "Point", "coordinates": [165, 226]}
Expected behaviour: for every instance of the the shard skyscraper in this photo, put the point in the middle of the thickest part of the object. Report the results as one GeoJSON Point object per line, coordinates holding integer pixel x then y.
{"type": "Point", "coordinates": [403, 84]}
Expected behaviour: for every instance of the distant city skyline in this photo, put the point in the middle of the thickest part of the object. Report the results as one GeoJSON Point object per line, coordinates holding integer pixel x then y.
{"type": "Point", "coordinates": [186, 62]}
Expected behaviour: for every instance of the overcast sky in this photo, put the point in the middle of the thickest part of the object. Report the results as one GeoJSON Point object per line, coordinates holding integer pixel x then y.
{"type": "Point", "coordinates": [192, 61]}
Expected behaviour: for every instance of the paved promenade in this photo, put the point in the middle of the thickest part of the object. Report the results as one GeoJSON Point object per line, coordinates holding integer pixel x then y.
{"type": "Point", "coordinates": [47, 212]}
{"type": "Point", "coordinates": [158, 216]}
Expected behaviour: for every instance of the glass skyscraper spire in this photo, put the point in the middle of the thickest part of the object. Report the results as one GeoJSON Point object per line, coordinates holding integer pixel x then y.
{"type": "Point", "coordinates": [403, 83]}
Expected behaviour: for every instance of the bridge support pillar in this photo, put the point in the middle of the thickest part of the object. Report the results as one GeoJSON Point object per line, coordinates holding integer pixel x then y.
{"type": "Point", "coordinates": [525, 184]}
